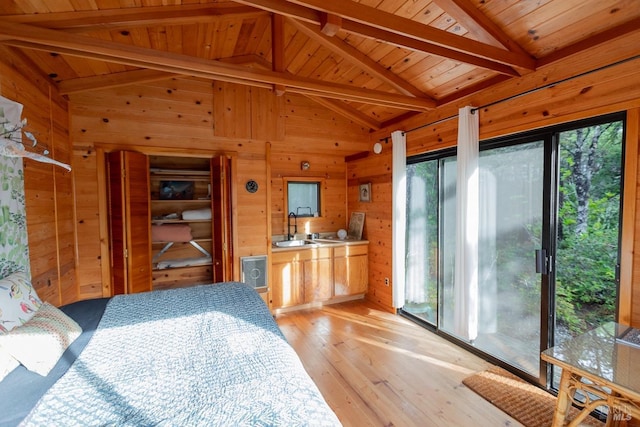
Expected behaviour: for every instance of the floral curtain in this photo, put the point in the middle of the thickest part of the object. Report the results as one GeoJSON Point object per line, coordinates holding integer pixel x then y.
{"type": "Point", "coordinates": [14, 248]}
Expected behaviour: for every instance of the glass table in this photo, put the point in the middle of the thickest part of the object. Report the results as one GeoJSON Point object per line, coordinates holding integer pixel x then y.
{"type": "Point", "coordinates": [599, 368]}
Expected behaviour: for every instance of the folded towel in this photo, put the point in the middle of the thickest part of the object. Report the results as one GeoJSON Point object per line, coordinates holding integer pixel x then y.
{"type": "Point", "coordinates": [204, 213]}
{"type": "Point", "coordinates": [171, 233]}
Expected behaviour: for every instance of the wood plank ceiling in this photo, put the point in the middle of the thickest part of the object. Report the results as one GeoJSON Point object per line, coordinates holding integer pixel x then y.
{"type": "Point", "coordinates": [373, 61]}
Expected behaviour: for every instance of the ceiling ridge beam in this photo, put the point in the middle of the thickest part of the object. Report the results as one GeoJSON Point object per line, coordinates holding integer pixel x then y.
{"type": "Point", "coordinates": [88, 47]}
{"type": "Point", "coordinates": [353, 55]}
{"type": "Point", "coordinates": [111, 19]}
{"type": "Point", "coordinates": [371, 22]}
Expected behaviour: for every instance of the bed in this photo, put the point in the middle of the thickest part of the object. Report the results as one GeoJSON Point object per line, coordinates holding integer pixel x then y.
{"type": "Point", "coordinates": [204, 355]}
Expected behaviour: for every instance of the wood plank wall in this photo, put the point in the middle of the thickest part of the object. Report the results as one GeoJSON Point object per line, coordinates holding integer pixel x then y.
{"type": "Point", "coordinates": [607, 90]}
{"type": "Point", "coordinates": [267, 135]}
{"type": "Point", "coordinates": [375, 169]}
{"type": "Point", "coordinates": [48, 189]}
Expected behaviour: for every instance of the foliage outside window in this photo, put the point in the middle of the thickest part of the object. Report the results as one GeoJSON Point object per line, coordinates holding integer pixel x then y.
{"type": "Point", "coordinates": [304, 196]}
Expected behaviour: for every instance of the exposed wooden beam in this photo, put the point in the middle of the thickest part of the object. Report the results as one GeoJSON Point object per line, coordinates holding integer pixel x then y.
{"type": "Point", "coordinates": [421, 46]}
{"type": "Point", "coordinates": [478, 24]}
{"type": "Point", "coordinates": [370, 22]}
{"type": "Point", "coordinates": [358, 58]}
{"type": "Point", "coordinates": [252, 60]}
{"type": "Point", "coordinates": [348, 112]}
{"type": "Point", "coordinates": [88, 47]}
{"type": "Point", "coordinates": [368, 15]}
{"type": "Point", "coordinates": [330, 24]}
{"type": "Point", "coordinates": [121, 18]}
{"type": "Point", "coordinates": [126, 78]}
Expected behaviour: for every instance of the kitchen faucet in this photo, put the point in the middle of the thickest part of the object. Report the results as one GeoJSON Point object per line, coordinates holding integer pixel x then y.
{"type": "Point", "coordinates": [295, 226]}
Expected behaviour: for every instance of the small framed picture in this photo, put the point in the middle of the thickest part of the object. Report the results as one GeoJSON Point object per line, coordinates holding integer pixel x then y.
{"type": "Point", "coordinates": [365, 192]}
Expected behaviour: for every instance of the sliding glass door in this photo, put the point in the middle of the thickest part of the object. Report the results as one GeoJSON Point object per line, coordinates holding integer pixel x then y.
{"type": "Point", "coordinates": [510, 227]}
{"type": "Point", "coordinates": [532, 260]}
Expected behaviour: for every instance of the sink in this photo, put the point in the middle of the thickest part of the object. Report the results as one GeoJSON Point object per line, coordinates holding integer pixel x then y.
{"type": "Point", "coordinates": [294, 243]}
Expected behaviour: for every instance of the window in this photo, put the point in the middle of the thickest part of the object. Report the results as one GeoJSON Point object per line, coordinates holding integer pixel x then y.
{"type": "Point", "coordinates": [303, 196]}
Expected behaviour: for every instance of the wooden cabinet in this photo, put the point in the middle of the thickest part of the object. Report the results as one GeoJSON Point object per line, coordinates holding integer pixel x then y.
{"type": "Point", "coordinates": [317, 275]}
{"type": "Point", "coordinates": [301, 277]}
{"type": "Point", "coordinates": [351, 270]}
{"type": "Point", "coordinates": [313, 275]}
{"type": "Point", "coordinates": [287, 275]}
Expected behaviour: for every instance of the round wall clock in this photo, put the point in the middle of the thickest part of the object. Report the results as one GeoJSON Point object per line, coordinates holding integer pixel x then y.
{"type": "Point", "coordinates": [251, 186]}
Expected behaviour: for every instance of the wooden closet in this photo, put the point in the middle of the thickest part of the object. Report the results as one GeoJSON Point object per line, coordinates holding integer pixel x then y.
{"type": "Point", "coordinates": [169, 221]}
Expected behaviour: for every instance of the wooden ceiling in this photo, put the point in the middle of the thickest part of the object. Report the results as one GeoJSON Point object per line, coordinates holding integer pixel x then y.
{"type": "Point", "coordinates": [373, 61]}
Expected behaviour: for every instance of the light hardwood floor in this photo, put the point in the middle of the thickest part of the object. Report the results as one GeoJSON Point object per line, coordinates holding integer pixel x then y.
{"type": "Point", "coordinates": [378, 369]}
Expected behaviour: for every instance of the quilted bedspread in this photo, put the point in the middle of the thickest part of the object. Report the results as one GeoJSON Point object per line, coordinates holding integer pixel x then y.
{"type": "Point", "coordinates": [209, 355]}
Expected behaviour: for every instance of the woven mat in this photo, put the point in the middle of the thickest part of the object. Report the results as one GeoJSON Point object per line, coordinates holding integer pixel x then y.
{"type": "Point", "coordinates": [527, 403]}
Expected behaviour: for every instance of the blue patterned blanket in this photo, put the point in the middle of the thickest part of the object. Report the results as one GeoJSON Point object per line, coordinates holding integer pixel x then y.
{"type": "Point", "coordinates": [204, 356]}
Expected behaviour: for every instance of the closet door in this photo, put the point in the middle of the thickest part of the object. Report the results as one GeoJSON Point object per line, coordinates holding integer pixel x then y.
{"type": "Point", "coordinates": [128, 177]}
{"type": "Point", "coordinates": [221, 209]}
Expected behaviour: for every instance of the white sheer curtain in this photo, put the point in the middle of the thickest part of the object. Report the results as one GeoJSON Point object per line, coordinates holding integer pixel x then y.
{"type": "Point", "coordinates": [467, 218]}
{"type": "Point", "coordinates": [399, 215]}
{"type": "Point", "coordinates": [417, 258]}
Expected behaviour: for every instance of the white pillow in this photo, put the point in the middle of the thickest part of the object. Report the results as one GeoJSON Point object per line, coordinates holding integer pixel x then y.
{"type": "Point", "coordinates": [18, 301]}
{"type": "Point", "coordinates": [39, 343]}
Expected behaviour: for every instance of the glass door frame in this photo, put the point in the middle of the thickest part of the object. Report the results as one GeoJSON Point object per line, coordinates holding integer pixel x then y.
{"type": "Point", "coordinates": [549, 136]}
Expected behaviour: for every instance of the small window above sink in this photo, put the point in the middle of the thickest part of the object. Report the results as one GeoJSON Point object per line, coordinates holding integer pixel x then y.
{"type": "Point", "coordinates": [304, 196]}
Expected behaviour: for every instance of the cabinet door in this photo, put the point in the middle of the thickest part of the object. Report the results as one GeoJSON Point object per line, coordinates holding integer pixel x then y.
{"type": "Point", "coordinates": [287, 288]}
{"type": "Point", "coordinates": [351, 271]}
{"type": "Point", "coordinates": [318, 280]}
{"type": "Point", "coordinates": [129, 222]}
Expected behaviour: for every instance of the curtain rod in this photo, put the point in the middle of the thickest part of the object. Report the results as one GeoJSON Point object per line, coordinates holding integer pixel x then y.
{"type": "Point", "coordinates": [528, 92]}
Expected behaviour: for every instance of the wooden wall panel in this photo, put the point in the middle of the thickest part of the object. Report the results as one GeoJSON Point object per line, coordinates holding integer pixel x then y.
{"type": "Point", "coordinates": [327, 167]}
{"type": "Point", "coordinates": [48, 189]}
{"type": "Point", "coordinates": [194, 117]}
{"type": "Point", "coordinates": [232, 106]}
{"type": "Point", "coordinates": [87, 224]}
{"type": "Point", "coordinates": [310, 128]}
{"type": "Point", "coordinates": [267, 121]}
{"type": "Point", "coordinates": [375, 169]}
{"type": "Point", "coordinates": [64, 207]}
{"type": "Point", "coordinates": [252, 227]}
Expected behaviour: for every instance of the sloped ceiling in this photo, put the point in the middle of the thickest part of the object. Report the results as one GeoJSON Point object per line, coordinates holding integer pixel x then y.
{"type": "Point", "coordinates": [375, 62]}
